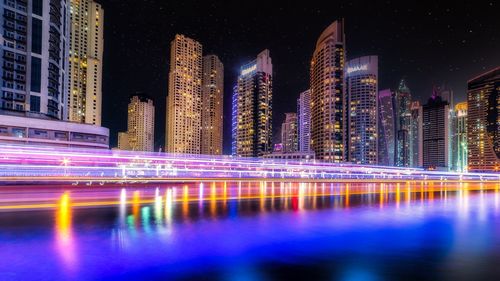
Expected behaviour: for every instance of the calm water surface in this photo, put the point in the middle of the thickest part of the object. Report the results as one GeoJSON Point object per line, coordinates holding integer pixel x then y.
{"type": "Point", "coordinates": [251, 231]}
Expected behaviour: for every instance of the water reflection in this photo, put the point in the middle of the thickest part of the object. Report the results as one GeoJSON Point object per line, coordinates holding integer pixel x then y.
{"type": "Point", "coordinates": [64, 232]}
{"type": "Point", "coordinates": [238, 224]}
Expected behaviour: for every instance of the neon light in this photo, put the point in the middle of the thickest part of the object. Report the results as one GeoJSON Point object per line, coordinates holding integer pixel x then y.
{"type": "Point", "coordinates": [357, 68]}
{"type": "Point", "coordinates": [248, 70]}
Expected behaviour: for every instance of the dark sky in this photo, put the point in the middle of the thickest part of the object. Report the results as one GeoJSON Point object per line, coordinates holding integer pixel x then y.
{"type": "Point", "coordinates": [427, 42]}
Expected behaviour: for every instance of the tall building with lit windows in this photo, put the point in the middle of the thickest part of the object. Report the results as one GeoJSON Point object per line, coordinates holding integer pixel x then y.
{"type": "Point", "coordinates": [304, 121]}
{"type": "Point", "coordinates": [234, 120]}
{"type": "Point", "coordinates": [184, 96]}
{"type": "Point", "coordinates": [459, 142]}
{"type": "Point", "coordinates": [435, 133]}
{"type": "Point", "coordinates": [327, 95]}
{"type": "Point", "coordinates": [140, 125]}
{"type": "Point", "coordinates": [255, 94]}
{"type": "Point", "coordinates": [84, 89]}
{"type": "Point", "coordinates": [402, 103]}
{"type": "Point", "coordinates": [34, 57]}
{"type": "Point", "coordinates": [415, 135]}
{"type": "Point", "coordinates": [212, 105]}
{"type": "Point", "coordinates": [483, 122]}
{"type": "Point", "coordinates": [386, 128]}
{"type": "Point", "coordinates": [289, 139]}
{"type": "Point", "coordinates": [34, 77]}
{"type": "Point", "coordinates": [362, 110]}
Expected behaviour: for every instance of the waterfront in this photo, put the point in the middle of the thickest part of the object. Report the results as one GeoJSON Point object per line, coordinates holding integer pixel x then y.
{"type": "Point", "coordinates": [251, 231]}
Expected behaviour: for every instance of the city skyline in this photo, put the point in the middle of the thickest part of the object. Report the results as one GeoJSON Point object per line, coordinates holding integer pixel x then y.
{"type": "Point", "coordinates": [188, 140]}
{"type": "Point", "coordinates": [424, 62]}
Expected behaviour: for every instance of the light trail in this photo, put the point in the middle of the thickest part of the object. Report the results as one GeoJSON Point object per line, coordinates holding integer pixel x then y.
{"type": "Point", "coordinates": [35, 165]}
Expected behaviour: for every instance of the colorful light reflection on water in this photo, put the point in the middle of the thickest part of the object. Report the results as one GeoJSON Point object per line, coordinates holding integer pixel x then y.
{"type": "Point", "coordinates": [252, 231]}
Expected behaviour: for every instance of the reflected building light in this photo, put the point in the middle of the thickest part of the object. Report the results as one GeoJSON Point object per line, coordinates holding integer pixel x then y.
{"type": "Point", "coordinates": [146, 219]}
{"type": "Point", "coordinates": [347, 195]}
{"type": "Point", "coordinates": [64, 233]}
{"type": "Point", "coordinates": [135, 206]}
{"type": "Point", "coordinates": [185, 202]}
{"type": "Point", "coordinates": [213, 200]}
{"type": "Point", "coordinates": [123, 208]}
{"type": "Point", "coordinates": [169, 202]}
{"type": "Point", "coordinates": [158, 208]}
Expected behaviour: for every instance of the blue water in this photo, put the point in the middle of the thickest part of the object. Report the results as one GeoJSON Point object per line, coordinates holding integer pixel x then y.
{"type": "Point", "coordinates": [446, 236]}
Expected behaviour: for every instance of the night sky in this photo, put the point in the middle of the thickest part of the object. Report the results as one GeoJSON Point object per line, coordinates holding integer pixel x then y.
{"type": "Point", "coordinates": [429, 43]}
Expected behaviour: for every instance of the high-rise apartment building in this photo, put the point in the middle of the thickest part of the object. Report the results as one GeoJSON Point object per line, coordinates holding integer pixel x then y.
{"type": "Point", "coordinates": [212, 95]}
{"type": "Point", "coordinates": [184, 96]}
{"type": "Point", "coordinates": [415, 135]}
{"type": "Point", "coordinates": [84, 89]}
{"type": "Point", "coordinates": [140, 125]}
{"type": "Point", "coordinates": [234, 120]}
{"type": "Point", "coordinates": [34, 57]}
{"type": "Point", "coordinates": [304, 121]}
{"type": "Point", "coordinates": [362, 107]}
{"type": "Point", "coordinates": [289, 137]}
{"type": "Point", "coordinates": [35, 50]}
{"type": "Point", "coordinates": [255, 92]}
{"type": "Point", "coordinates": [483, 122]}
{"type": "Point", "coordinates": [435, 133]}
{"type": "Point", "coordinates": [327, 95]}
{"type": "Point", "coordinates": [402, 102]}
{"type": "Point", "coordinates": [387, 129]}
{"type": "Point", "coordinates": [459, 142]}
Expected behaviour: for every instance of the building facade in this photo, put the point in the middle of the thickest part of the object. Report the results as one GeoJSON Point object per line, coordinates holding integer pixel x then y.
{"type": "Point", "coordinates": [140, 125]}
{"type": "Point", "coordinates": [415, 137]}
{"type": "Point", "coordinates": [459, 142]}
{"type": "Point", "coordinates": [304, 121]}
{"type": "Point", "coordinates": [123, 142]}
{"type": "Point", "coordinates": [362, 108]}
{"type": "Point", "coordinates": [234, 121]}
{"type": "Point", "coordinates": [184, 97]}
{"type": "Point", "coordinates": [34, 57]}
{"type": "Point", "coordinates": [289, 134]}
{"type": "Point", "coordinates": [387, 129]}
{"type": "Point", "coordinates": [402, 102]}
{"type": "Point", "coordinates": [483, 122]}
{"type": "Point", "coordinates": [255, 92]}
{"type": "Point", "coordinates": [20, 129]}
{"type": "Point", "coordinates": [84, 89]}
{"type": "Point", "coordinates": [435, 134]}
{"type": "Point", "coordinates": [212, 105]}
{"type": "Point", "coordinates": [327, 95]}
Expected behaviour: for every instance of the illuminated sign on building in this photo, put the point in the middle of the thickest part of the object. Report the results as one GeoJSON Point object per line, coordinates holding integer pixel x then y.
{"type": "Point", "coordinates": [249, 70]}
{"type": "Point", "coordinates": [357, 68]}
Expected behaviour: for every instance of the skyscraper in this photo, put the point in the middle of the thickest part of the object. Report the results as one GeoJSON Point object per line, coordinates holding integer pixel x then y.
{"type": "Point", "coordinates": [234, 121]}
{"type": "Point", "coordinates": [34, 57]}
{"type": "Point", "coordinates": [84, 89]}
{"type": "Point", "coordinates": [327, 95]}
{"type": "Point", "coordinates": [304, 121]}
{"type": "Point", "coordinates": [289, 137]}
{"type": "Point", "coordinates": [35, 50]}
{"type": "Point", "coordinates": [459, 149]}
{"type": "Point", "coordinates": [212, 105]}
{"type": "Point", "coordinates": [402, 103]}
{"type": "Point", "coordinates": [483, 122]}
{"type": "Point", "coordinates": [362, 107]}
{"type": "Point", "coordinates": [140, 125]}
{"type": "Point", "coordinates": [184, 96]}
{"type": "Point", "coordinates": [415, 136]}
{"type": "Point", "coordinates": [435, 133]}
{"type": "Point", "coordinates": [387, 128]}
{"type": "Point", "coordinates": [255, 93]}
